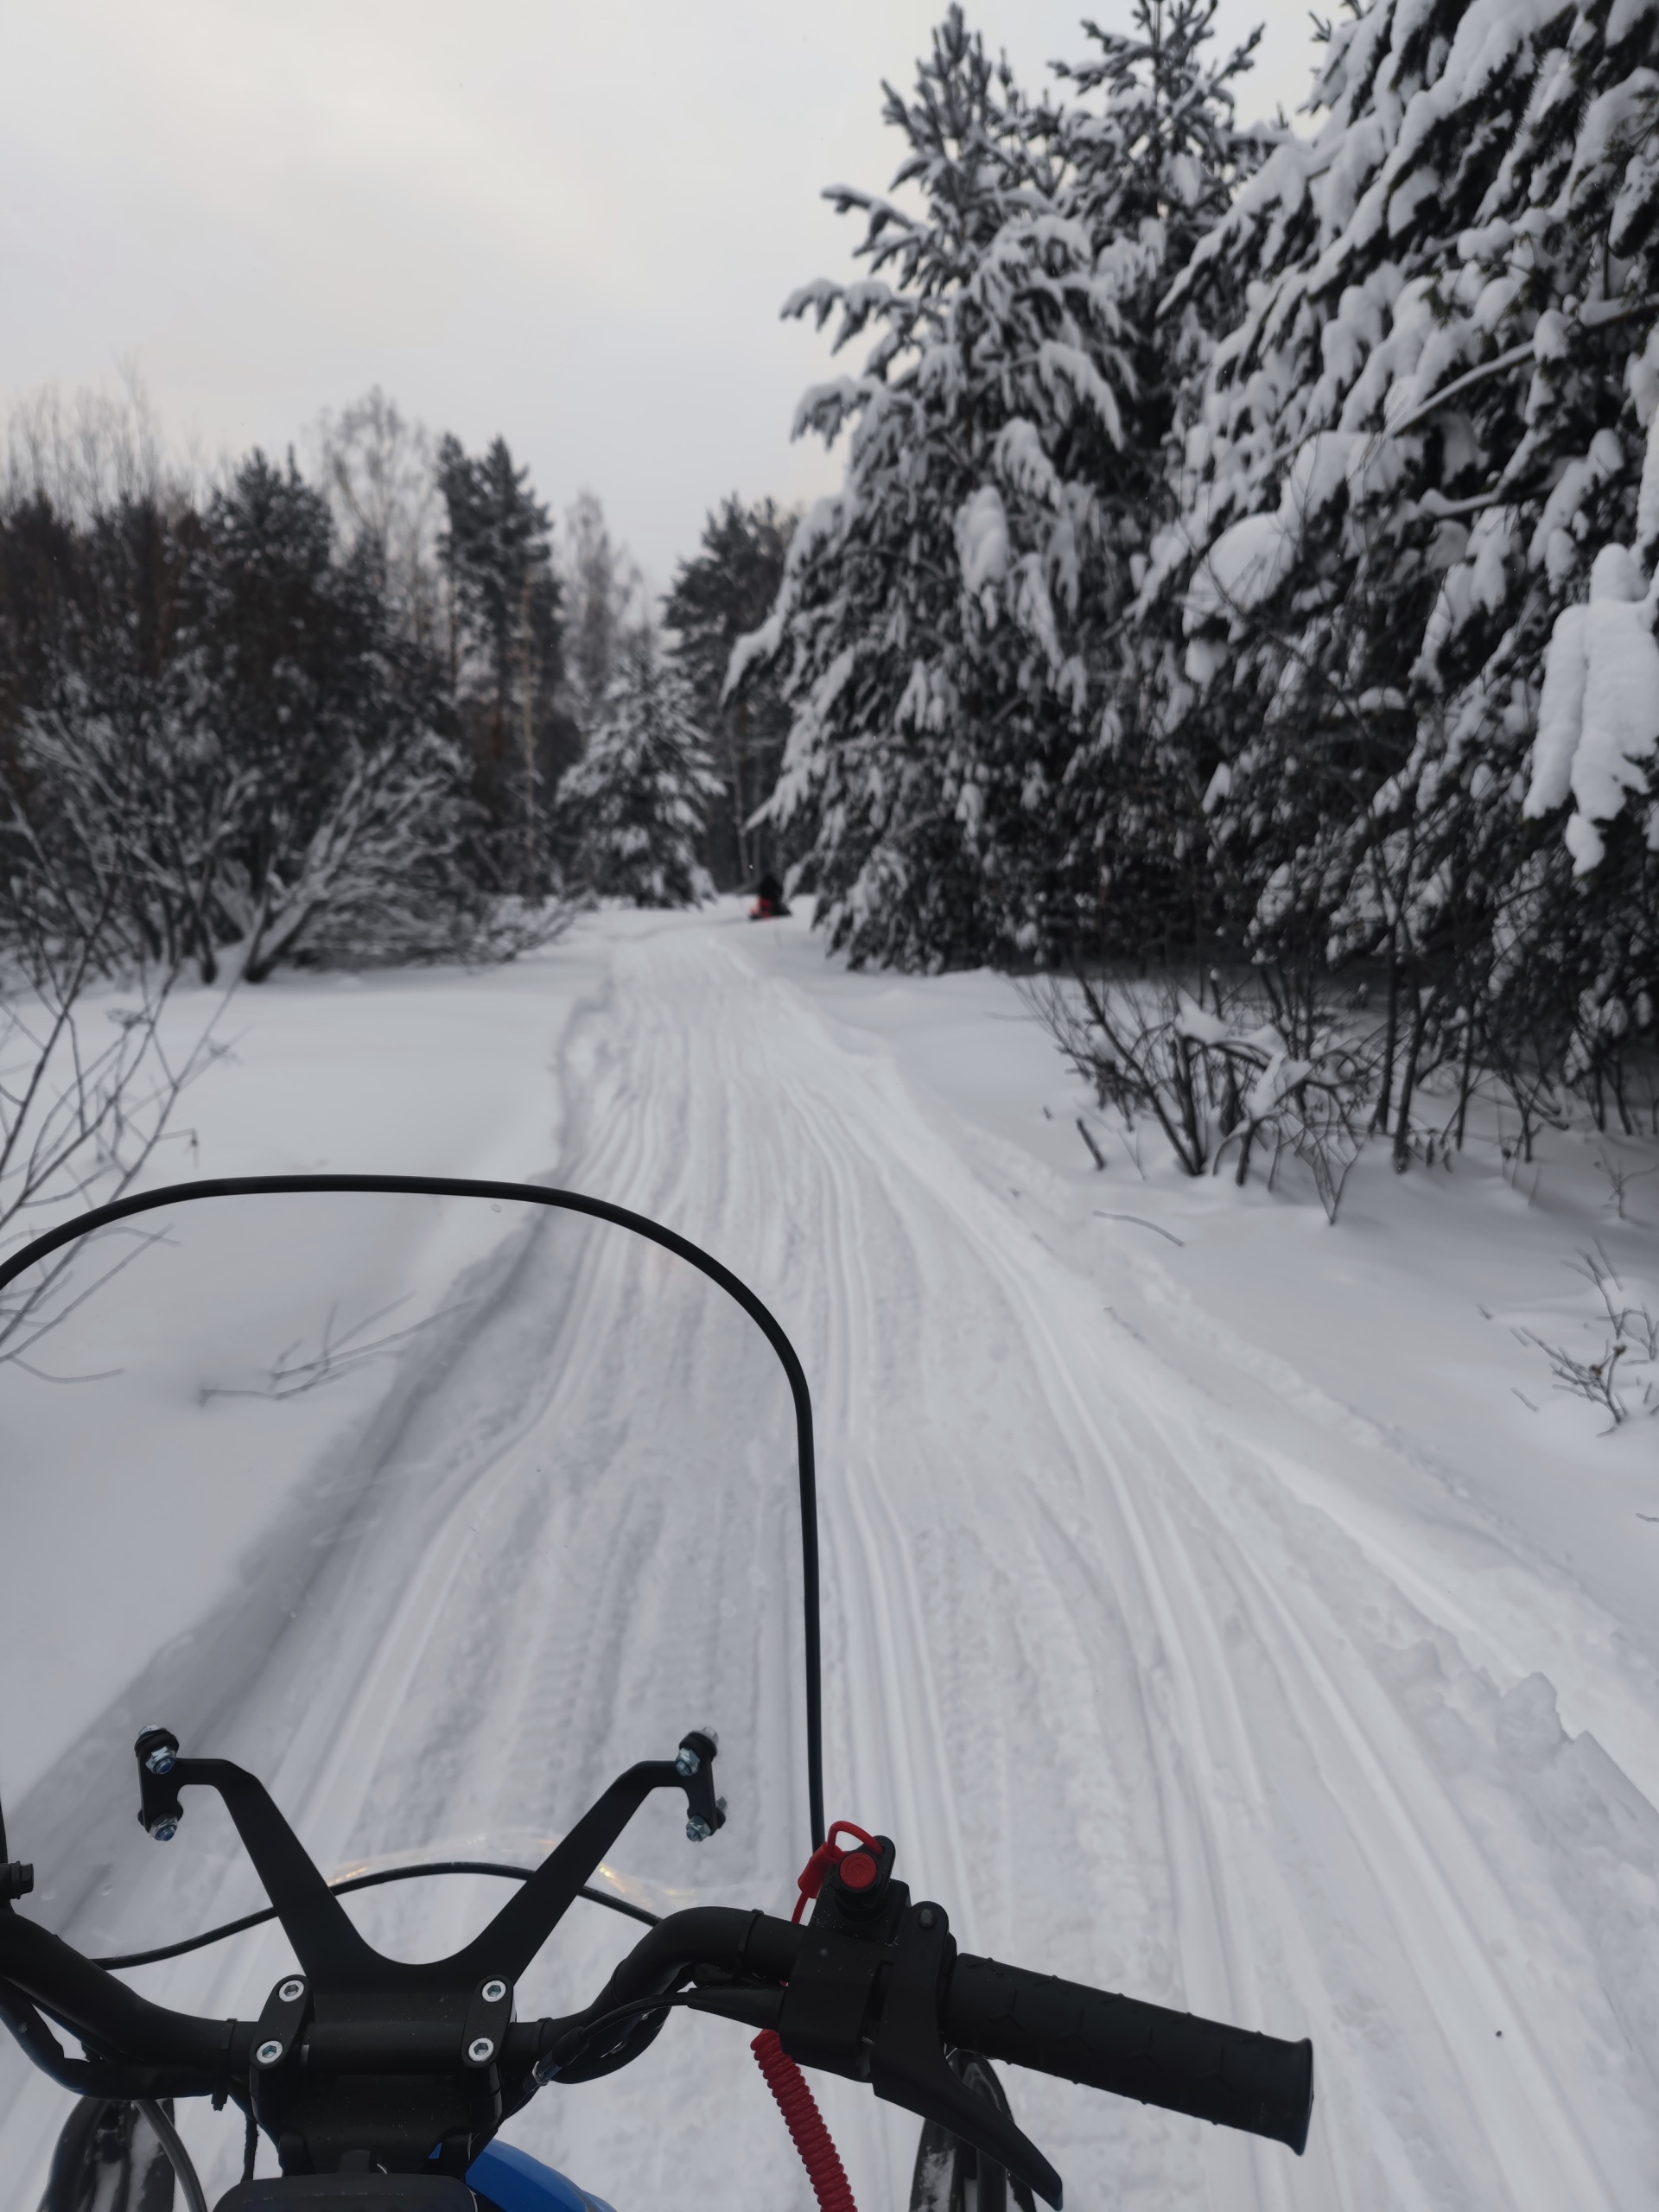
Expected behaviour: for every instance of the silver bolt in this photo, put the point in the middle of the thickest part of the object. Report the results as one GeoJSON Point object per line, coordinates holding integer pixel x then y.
{"type": "Point", "coordinates": [161, 1760]}
{"type": "Point", "coordinates": [493, 1992]}
{"type": "Point", "coordinates": [480, 2050]}
{"type": "Point", "coordinates": [697, 1830]}
{"type": "Point", "coordinates": [268, 2054]}
{"type": "Point", "coordinates": [291, 1992]}
{"type": "Point", "coordinates": [688, 1761]}
{"type": "Point", "coordinates": [164, 1831]}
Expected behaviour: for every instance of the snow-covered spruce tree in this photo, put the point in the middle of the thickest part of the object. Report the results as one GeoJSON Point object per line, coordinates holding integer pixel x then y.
{"type": "Point", "coordinates": [504, 609]}
{"type": "Point", "coordinates": [1421, 430]}
{"type": "Point", "coordinates": [631, 811]}
{"type": "Point", "coordinates": [718, 596]}
{"type": "Point", "coordinates": [1150, 150]}
{"type": "Point", "coordinates": [944, 619]}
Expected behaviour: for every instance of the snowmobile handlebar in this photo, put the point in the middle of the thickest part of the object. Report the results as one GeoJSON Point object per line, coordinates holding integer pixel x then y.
{"type": "Point", "coordinates": [1233, 2076]}
{"type": "Point", "coordinates": [871, 1986]}
{"type": "Point", "coordinates": [743, 1962]}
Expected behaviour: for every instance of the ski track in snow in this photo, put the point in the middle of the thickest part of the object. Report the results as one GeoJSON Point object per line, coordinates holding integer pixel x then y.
{"type": "Point", "coordinates": [1136, 1707]}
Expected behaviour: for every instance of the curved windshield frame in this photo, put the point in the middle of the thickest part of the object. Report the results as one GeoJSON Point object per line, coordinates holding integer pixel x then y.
{"type": "Point", "coordinates": [70, 1232]}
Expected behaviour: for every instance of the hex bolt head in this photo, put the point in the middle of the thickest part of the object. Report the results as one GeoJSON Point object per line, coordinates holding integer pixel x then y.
{"type": "Point", "coordinates": [493, 1992]}
{"type": "Point", "coordinates": [479, 2049]}
{"type": "Point", "coordinates": [161, 1760]}
{"type": "Point", "coordinates": [697, 1830]}
{"type": "Point", "coordinates": [688, 1761]}
{"type": "Point", "coordinates": [268, 2054]}
{"type": "Point", "coordinates": [291, 1992]}
{"type": "Point", "coordinates": [164, 1831]}
{"type": "Point", "coordinates": [925, 1916]}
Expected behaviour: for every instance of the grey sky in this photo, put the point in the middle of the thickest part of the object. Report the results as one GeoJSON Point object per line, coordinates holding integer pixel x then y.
{"type": "Point", "coordinates": [571, 222]}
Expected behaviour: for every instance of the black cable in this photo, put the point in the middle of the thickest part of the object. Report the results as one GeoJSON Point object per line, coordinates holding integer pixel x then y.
{"type": "Point", "coordinates": [372, 1881]}
{"type": "Point", "coordinates": [580, 2038]}
{"type": "Point", "coordinates": [448, 1186]}
{"type": "Point", "coordinates": [178, 2157]}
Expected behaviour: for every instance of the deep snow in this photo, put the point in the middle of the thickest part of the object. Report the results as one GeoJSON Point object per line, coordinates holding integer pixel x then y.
{"type": "Point", "coordinates": [1209, 1614]}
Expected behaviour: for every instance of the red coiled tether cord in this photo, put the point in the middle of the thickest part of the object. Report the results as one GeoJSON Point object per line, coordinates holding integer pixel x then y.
{"type": "Point", "coordinates": [805, 2123]}
{"type": "Point", "coordinates": [784, 2078]}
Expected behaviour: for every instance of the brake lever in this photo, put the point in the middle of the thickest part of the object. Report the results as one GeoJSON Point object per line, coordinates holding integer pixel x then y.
{"type": "Point", "coordinates": [907, 2061]}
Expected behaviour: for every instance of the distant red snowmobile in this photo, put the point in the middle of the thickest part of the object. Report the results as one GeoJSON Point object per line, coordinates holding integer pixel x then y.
{"type": "Point", "coordinates": [770, 904]}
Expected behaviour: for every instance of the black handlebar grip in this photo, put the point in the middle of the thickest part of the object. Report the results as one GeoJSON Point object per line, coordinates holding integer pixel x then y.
{"type": "Point", "coordinates": [1227, 2074]}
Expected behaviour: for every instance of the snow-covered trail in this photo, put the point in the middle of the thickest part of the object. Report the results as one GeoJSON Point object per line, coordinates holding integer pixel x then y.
{"type": "Point", "coordinates": [1135, 1708]}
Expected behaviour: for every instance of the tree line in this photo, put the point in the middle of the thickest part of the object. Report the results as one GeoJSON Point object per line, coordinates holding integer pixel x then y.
{"type": "Point", "coordinates": [373, 709]}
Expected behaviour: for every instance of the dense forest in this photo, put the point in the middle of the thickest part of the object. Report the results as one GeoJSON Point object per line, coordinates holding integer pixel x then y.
{"type": "Point", "coordinates": [1243, 566]}
{"type": "Point", "coordinates": [1245, 558]}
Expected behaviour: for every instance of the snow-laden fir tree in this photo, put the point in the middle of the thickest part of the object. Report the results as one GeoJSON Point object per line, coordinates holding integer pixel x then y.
{"type": "Point", "coordinates": [631, 811]}
{"type": "Point", "coordinates": [944, 619]}
{"type": "Point", "coordinates": [719, 596]}
{"type": "Point", "coordinates": [504, 651]}
{"type": "Point", "coordinates": [1407, 453]}
{"type": "Point", "coordinates": [1149, 148]}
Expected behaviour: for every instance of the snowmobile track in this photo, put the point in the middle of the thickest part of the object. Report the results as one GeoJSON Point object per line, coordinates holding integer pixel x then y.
{"type": "Point", "coordinates": [1134, 1707]}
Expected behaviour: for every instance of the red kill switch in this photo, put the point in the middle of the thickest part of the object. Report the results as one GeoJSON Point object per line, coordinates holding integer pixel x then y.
{"type": "Point", "coordinates": [858, 1870]}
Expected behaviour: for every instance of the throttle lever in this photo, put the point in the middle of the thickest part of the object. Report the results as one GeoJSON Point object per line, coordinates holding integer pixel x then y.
{"type": "Point", "coordinates": [907, 2062]}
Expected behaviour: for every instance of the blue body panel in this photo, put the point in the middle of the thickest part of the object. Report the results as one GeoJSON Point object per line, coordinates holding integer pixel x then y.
{"type": "Point", "coordinates": [517, 2182]}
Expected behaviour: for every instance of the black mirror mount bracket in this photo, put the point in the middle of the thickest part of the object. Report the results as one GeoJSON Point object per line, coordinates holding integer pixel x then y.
{"type": "Point", "coordinates": [327, 1943]}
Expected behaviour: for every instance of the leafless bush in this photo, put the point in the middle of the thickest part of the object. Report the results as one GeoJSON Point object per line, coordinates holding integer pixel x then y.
{"type": "Point", "coordinates": [1620, 1175]}
{"type": "Point", "coordinates": [88, 1088]}
{"type": "Point", "coordinates": [1585, 1378]}
{"type": "Point", "coordinates": [340, 1352]}
{"type": "Point", "coordinates": [1634, 1323]}
{"type": "Point", "coordinates": [1526, 1071]}
{"type": "Point", "coordinates": [1213, 1085]}
{"type": "Point", "coordinates": [1632, 1338]}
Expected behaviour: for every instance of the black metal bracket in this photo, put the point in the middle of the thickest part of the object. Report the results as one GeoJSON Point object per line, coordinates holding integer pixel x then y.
{"type": "Point", "coordinates": [277, 2037]}
{"type": "Point", "coordinates": [332, 1955]}
{"type": "Point", "coordinates": [275, 2060]}
{"type": "Point", "coordinates": [829, 1998]}
{"type": "Point", "coordinates": [488, 2016]}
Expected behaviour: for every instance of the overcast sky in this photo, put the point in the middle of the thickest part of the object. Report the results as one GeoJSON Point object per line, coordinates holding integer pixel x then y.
{"type": "Point", "coordinates": [573, 224]}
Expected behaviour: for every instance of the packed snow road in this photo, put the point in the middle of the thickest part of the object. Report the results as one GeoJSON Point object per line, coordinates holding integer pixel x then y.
{"type": "Point", "coordinates": [1136, 1707]}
